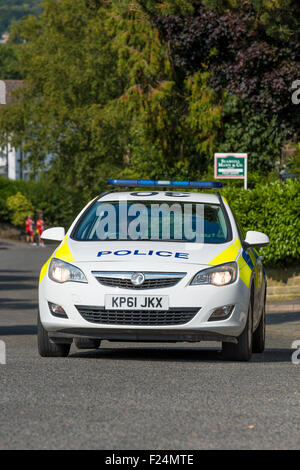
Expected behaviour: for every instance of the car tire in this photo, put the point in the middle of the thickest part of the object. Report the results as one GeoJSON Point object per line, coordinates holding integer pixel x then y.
{"type": "Point", "coordinates": [242, 350]}
{"type": "Point", "coordinates": [46, 347]}
{"type": "Point", "coordinates": [87, 343]}
{"type": "Point", "coordinates": [259, 335]}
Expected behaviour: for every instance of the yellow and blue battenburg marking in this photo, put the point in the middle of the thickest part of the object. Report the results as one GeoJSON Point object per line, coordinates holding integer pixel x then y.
{"type": "Point", "coordinates": [246, 261]}
{"type": "Point", "coordinates": [229, 254]}
{"type": "Point", "coordinates": [246, 266]}
{"type": "Point", "coordinates": [63, 252]}
{"type": "Point", "coordinates": [44, 268]}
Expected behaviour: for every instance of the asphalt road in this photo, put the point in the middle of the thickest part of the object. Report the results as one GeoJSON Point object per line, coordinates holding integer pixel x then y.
{"type": "Point", "coordinates": [135, 396]}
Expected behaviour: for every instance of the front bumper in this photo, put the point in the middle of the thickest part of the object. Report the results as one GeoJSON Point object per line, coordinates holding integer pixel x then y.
{"type": "Point", "coordinates": [206, 298]}
{"type": "Point", "coordinates": [140, 335]}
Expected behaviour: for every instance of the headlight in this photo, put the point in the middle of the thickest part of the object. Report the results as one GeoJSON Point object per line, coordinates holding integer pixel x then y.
{"type": "Point", "coordinates": [60, 271]}
{"type": "Point", "coordinates": [220, 275]}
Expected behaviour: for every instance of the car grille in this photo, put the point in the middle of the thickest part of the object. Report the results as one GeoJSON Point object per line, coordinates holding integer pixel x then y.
{"type": "Point", "coordinates": [127, 284]}
{"type": "Point", "coordinates": [173, 316]}
{"type": "Point", "coordinates": [152, 280]}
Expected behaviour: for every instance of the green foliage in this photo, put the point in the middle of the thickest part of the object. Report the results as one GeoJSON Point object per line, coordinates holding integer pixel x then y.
{"type": "Point", "coordinates": [274, 209]}
{"type": "Point", "coordinates": [38, 192]}
{"type": "Point", "coordinates": [6, 189]}
{"type": "Point", "coordinates": [60, 198]}
{"type": "Point", "coordinates": [16, 9]}
{"type": "Point", "coordinates": [9, 188]}
{"type": "Point", "coordinates": [281, 18]}
{"type": "Point", "coordinates": [113, 83]}
{"type": "Point", "coordinates": [202, 123]}
{"type": "Point", "coordinates": [8, 63]}
{"type": "Point", "coordinates": [251, 133]}
{"type": "Point", "coordinates": [71, 78]}
{"type": "Point", "coordinates": [101, 92]}
{"type": "Point", "coordinates": [167, 7]}
{"type": "Point", "coordinates": [293, 164]}
{"type": "Point", "coordinates": [20, 207]}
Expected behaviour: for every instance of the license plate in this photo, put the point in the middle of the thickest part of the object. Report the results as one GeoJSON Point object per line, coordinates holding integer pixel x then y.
{"type": "Point", "coordinates": [136, 302]}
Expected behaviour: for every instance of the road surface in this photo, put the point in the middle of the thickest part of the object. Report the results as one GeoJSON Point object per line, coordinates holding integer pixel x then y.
{"type": "Point", "coordinates": [138, 396]}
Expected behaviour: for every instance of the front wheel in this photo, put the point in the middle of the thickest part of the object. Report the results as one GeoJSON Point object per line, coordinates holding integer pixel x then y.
{"type": "Point", "coordinates": [242, 350]}
{"type": "Point", "coordinates": [259, 334]}
{"type": "Point", "coordinates": [46, 347]}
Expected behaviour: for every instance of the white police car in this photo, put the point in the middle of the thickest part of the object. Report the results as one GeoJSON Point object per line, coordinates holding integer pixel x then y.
{"type": "Point", "coordinates": [154, 265]}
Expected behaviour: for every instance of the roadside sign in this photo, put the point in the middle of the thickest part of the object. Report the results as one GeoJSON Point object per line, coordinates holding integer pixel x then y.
{"type": "Point", "coordinates": [231, 166]}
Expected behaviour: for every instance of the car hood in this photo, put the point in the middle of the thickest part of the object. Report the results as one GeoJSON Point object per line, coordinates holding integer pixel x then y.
{"type": "Point", "coordinates": [149, 253]}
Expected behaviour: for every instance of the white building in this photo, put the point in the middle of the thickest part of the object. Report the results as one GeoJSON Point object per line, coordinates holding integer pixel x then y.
{"type": "Point", "coordinates": [4, 38]}
{"type": "Point", "coordinates": [11, 159]}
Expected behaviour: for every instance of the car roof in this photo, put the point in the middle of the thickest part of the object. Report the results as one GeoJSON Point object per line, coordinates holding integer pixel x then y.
{"type": "Point", "coordinates": [150, 195]}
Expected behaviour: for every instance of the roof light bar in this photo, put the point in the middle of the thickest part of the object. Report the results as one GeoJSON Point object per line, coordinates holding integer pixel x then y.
{"type": "Point", "coordinates": [168, 183]}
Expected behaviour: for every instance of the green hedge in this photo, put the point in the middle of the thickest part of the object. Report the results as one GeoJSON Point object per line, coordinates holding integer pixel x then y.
{"type": "Point", "coordinates": [274, 209]}
{"type": "Point", "coordinates": [7, 188]}
{"type": "Point", "coordinates": [32, 190]}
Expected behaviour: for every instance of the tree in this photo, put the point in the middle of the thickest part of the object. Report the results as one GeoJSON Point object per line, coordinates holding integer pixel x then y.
{"type": "Point", "coordinates": [15, 10]}
{"type": "Point", "coordinates": [99, 87]}
{"type": "Point", "coordinates": [20, 207]}
{"type": "Point", "coordinates": [252, 133]}
{"type": "Point", "coordinates": [140, 88]}
{"type": "Point", "coordinates": [174, 119]}
{"type": "Point", "coordinates": [8, 63]}
{"type": "Point", "coordinates": [245, 55]}
{"type": "Point", "coordinates": [64, 108]}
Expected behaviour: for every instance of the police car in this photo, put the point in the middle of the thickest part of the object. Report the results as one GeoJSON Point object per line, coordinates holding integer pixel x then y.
{"type": "Point", "coordinates": [157, 264]}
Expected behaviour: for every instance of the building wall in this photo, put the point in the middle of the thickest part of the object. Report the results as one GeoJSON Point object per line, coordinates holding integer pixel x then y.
{"type": "Point", "coordinates": [11, 159]}
{"type": "Point", "coordinates": [11, 163]}
{"type": "Point", "coordinates": [2, 92]}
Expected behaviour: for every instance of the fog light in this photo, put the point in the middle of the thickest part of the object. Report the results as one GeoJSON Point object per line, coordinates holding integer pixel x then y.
{"type": "Point", "coordinates": [221, 313]}
{"type": "Point", "coordinates": [57, 310]}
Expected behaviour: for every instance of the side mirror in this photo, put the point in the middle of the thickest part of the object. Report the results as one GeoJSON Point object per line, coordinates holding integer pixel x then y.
{"type": "Point", "coordinates": [255, 239]}
{"type": "Point", "coordinates": [55, 233]}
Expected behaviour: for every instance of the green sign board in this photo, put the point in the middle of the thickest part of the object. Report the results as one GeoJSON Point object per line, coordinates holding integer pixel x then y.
{"type": "Point", "coordinates": [231, 165]}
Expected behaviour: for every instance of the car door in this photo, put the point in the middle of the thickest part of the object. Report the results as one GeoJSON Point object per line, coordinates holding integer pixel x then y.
{"type": "Point", "coordinates": [255, 264]}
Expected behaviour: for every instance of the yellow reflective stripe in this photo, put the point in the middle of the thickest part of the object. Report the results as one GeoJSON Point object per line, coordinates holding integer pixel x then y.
{"type": "Point", "coordinates": [245, 275]}
{"type": "Point", "coordinates": [63, 252]}
{"type": "Point", "coordinates": [245, 271]}
{"type": "Point", "coordinates": [237, 243]}
{"type": "Point", "coordinates": [44, 268]}
{"type": "Point", "coordinates": [241, 262]}
{"type": "Point", "coordinates": [227, 255]}
{"type": "Point", "coordinates": [225, 200]}
{"type": "Point", "coordinates": [230, 254]}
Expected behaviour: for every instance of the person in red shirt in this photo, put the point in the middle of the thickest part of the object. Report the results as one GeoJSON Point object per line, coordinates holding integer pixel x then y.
{"type": "Point", "coordinates": [40, 228]}
{"type": "Point", "coordinates": [29, 229]}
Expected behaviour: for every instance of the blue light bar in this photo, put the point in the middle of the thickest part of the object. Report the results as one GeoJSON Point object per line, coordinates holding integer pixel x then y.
{"type": "Point", "coordinates": [165, 184]}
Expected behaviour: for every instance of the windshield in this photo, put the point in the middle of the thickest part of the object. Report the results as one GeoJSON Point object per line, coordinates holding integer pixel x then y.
{"type": "Point", "coordinates": [162, 221]}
